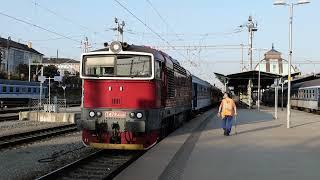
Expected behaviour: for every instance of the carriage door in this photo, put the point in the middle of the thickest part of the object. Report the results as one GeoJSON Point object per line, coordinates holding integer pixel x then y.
{"type": "Point", "coordinates": [318, 98]}
{"type": "Point", "coordinates": [194, 95]}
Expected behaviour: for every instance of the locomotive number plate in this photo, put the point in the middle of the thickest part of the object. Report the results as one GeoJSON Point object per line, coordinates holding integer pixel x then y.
{"type": "Point", "coordinates": [116, 114]}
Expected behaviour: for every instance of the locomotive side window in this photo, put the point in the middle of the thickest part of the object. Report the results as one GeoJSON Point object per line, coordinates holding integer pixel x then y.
{"type": "Point", "coordinates": [4, 88]}
{"type": "Point", "coordinates": [157, 70]}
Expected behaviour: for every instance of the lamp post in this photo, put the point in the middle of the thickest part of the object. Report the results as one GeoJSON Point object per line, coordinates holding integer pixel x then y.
{"type": "Point", "coordinates": [283, 3]}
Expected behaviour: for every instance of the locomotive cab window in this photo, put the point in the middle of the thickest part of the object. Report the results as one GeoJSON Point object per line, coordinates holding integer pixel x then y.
{"type": "Point", "coordinates": [99, 65]}
{"type": "Point", "coordinates": [117, 66]}
{"type": "Point", "coordinates": [133, 66]}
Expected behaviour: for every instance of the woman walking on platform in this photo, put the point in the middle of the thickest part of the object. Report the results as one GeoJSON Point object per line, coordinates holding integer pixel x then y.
{"type": "Point", "coordinates": [227, 110]}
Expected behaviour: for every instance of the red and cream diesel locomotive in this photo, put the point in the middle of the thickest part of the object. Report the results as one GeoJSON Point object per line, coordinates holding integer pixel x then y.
{"type": "Point", "coordinates": [132, 96]}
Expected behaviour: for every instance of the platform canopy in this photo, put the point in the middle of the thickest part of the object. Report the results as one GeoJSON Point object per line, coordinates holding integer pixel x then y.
{"type": "Point", "coordinates": [306, 78]}
{"type": "Point", "coordinates": [239, 81]}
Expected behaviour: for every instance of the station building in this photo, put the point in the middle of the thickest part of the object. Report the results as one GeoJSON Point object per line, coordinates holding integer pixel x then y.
{"type": "Point", "coordinates": [15, 53]}
{"type": "Point", "coordinates": [275, 64]}
{"type": "Point", "coordinates": [63, 64]}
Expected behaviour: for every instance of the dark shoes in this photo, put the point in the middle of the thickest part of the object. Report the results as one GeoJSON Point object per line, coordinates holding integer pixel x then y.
{"type": "Point", "coordinates": [226, 132]}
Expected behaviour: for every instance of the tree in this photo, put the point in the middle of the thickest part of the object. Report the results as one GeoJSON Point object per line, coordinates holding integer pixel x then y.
{"type": "Point", "coordinates": [50, 71]}
{"type": "Point", "coordinates": [3, 75]}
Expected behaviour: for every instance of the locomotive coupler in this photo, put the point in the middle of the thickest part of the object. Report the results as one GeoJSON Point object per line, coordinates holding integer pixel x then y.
{"type": "Point", "coordinates": [115, 138]}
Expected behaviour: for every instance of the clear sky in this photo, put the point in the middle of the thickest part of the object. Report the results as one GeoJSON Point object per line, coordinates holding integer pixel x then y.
{"type": "Point", "coordinates": [190, 19]}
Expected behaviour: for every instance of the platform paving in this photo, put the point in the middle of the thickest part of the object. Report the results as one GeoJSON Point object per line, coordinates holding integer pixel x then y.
{"type": "Point", "coordinates": [263, 149]}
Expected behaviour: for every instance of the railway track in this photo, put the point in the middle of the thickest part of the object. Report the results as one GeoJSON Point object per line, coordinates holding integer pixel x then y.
{"type": "Point", "coordinates": [13, 110]}
{"type": "Point", "coordinates": [99, 165]}
{"type": "Point", "coordinates": [9, 117]}
{"type": "Point", "coordinates": [31, 136]}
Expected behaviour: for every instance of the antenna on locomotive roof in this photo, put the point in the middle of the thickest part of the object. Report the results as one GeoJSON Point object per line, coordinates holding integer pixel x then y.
{"type": "Point", "coordinates": [119, 28]}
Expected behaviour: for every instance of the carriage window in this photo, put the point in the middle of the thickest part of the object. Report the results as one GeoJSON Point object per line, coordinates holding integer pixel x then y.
{"type": "Point", "coordinates": [313, 95]}
{"type": "Point", "coordinates": [11, 89]}
{"type": "Point", "coordinates": [29, 89]}
{"type": "Point", "coordinates": [4, 88]}
{"type": "Point", "coordinates": [34, 90]}
{"type": "Point", "coordinates": [17, 89]}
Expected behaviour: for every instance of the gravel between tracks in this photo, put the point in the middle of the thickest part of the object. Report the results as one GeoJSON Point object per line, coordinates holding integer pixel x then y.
{"type": "Point", "coordinates": [13, 127]}
{"type": "Point", "coordinates": [35, 160]}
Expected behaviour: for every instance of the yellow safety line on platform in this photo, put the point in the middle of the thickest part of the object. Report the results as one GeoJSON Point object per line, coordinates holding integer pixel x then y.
{"type": "Point", "coordinates": [117, 146]}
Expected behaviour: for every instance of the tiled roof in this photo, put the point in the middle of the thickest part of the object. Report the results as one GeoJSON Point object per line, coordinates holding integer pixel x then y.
{"type": "Point", "coordinates": [4, 43]}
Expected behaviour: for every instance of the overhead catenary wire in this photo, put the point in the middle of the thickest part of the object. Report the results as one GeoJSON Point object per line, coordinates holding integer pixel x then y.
{"type": "Point", "coordinates": [188, 33]}
{"type": "Point", "coordinates": [58, 15]}
{"type": "Point", "coordinates": [39, 27]}
{"type": "Point", "coordinates": [147, 26]}
{"type": "Point", "coordinates": [64, 18]}
{"type": "Point", "coordinates": [53, 39]}
{"type": "Point", "coordinates": [162, 19]}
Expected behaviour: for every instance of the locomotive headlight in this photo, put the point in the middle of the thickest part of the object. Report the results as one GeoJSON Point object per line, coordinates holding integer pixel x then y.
{"type": "Point", "coordinates": [99, 114]}
{"type": "Point", "coordinates": [115, 47]}
{"type": "Point", "coordinates": [92, 113]}
{"type": "Point", "coordinates": [139, 115]}
{"type": "Point", "coordinates": [132, 115]}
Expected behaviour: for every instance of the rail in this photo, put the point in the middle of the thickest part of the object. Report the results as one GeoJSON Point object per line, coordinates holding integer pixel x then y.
{"type": "Point", "coordinates": [9, 117]}
{"type": "Point", "coordinates": [31, 136]}
{"type": "Point", "coordinates": [102, 164]}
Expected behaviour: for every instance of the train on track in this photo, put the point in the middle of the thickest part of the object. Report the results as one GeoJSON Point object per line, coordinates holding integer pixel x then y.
{"type": "Point", "coordinates": [304, 95]}
{"type": "Point", "coordinates": [133, 96]}
{"type": "Point", "coordinates": [18, 93]}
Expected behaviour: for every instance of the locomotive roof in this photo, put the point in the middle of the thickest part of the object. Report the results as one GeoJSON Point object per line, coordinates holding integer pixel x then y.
{"type": "Point", "coordinates": [159, 55]}
{"type": "Point", "coordinates": [156, 53]}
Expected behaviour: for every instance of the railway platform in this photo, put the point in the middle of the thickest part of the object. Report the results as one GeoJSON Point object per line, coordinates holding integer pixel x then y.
{"type": "Point", "coordinates": [262, 149]}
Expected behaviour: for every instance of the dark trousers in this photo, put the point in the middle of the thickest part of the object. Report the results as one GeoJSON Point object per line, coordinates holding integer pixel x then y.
{"type": "Point", "coordinates": [227, 123]}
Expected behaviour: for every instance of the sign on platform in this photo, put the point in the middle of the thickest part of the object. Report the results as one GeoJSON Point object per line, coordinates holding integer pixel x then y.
{"type": "Point", "coordinates": [42, 79]}
{"type": "Point", "coordinates": [57, 78]}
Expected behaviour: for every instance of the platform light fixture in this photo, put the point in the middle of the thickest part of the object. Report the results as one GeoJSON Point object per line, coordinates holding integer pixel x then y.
{"type": "Point", "coordinates": [291, 5]}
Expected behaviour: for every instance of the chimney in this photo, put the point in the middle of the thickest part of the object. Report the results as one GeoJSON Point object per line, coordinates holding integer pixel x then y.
{"type": "Point", "coordinates": [30, 44]}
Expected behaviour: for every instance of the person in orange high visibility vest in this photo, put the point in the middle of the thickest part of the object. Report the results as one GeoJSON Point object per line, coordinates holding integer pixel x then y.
{"type": "Point", "coordinates": [227, 110]}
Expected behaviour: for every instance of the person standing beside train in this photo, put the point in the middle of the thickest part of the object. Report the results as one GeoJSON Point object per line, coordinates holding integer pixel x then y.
{"type": "Point", "coordinates": [227, 110]}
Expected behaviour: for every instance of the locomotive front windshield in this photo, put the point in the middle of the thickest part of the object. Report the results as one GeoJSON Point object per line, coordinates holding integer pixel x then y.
{"type": "Point", "coordinates": [117, 66]}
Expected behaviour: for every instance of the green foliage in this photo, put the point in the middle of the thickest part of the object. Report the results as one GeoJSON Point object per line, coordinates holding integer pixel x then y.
{"type": "Point", "coordinates": [3, 75]}
{"type": "Point", "coordinates": [50, 71]}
